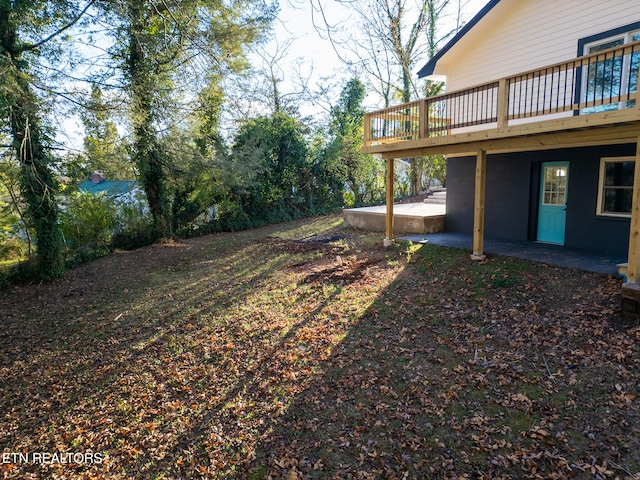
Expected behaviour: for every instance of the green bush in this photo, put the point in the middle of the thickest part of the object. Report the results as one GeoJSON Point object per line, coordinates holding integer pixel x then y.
{"type": "Point", "coordinates": [134, 226]}
{"type": "Point", "coordinates": [11, 248]}
{"type": "Point", "coordinates": [88, 220]}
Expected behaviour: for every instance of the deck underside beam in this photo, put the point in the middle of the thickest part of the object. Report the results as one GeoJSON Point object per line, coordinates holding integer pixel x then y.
{"type": "Point", "coordinates": [614, 134]}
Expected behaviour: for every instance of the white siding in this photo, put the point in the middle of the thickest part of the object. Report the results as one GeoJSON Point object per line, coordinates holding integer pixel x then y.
{"type": "Point", "coordinates": [520, 35]}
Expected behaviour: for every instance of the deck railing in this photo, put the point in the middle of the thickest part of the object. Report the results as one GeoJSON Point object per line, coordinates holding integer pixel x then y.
{"type": "Point", "coordinates": [606, 80]}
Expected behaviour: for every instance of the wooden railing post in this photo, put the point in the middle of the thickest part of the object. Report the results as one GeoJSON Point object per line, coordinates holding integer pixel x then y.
{"type": "Point", "coordinates": [424, 119]}
{"type": "Point", "coordinates": [637, 88]}
{"type": "Point", "coordinates": [367, 129]}
{"type": "Point", "coordinates": [503, 104]}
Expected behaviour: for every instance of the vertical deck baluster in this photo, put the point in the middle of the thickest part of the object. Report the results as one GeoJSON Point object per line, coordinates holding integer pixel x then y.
{"type": "Point", "coordinates": [453, 101]}
{"type": "Point", "coordinates": [537, 111]}
{"type": "Point", "coordinates": [482, 109]}
{"type": "Point", "coordinates": [576, 84]}
{"type": "Point", "coordinates": [494, 99]}
{"type": "Point", "coordinates": [554, 88]}
{"type": "Point", "coordinates": [595, 90]}
{"type": "Point", "coordinates": [550, 107]}
{"type": "Point", "coordinates": [629, 74]}
{"type": "Point", "coordinates": [509, 98]}
{"type": "Point", "coordinates": [465, 110]}
{"type": "Point", "coordinates": [476, 109]}
{"type": "Point", "coordinates": [476, 106]}
{"type": "Point", "coordinates": [525, 98]}
{"type": "Point", "coordinates": [528, 112]}
{"type": "Point", "coordinates": [464, 99]}
{"type": "Point", "coordinates": [612, 80]}
{"type": "Point", "coordinates": [468, 107]}
{"type": "Point", "coordinates": [519, 96]}
{"type": "Point", "coordinates": [561, 88]}
{"type": "Point", "coordinates": [544, 92]}
{"type": "Point", "coordinates": [633, 52]}
{"type": "Point", "coordinates": [472, 105]}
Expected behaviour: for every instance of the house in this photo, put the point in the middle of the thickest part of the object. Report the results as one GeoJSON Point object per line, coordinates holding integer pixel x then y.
{"type": "Point", "coordinates": [121, 191]}
{"type": "Point", "coordinates": [540, 125]}
{"type": "Point", "coordinates": [127, 195]}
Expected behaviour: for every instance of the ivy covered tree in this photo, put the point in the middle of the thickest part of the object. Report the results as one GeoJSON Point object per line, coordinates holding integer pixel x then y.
{"type": "Point", "coordinates": [351, 168]}
{"type": "Point", "coordinates": [14, 224]}
{"type": "Point", "coordinates": [277, 146]}
{"type": "Point", "coordinates": [104, 149]}
{"type": "Point", "coordinates": [162, 48]}
{"type": "Point", "coordinates": [29, 35]}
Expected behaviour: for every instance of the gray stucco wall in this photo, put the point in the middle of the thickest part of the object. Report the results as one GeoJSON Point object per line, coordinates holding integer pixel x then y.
{"type": "Point", "coordinates": [512, 195]}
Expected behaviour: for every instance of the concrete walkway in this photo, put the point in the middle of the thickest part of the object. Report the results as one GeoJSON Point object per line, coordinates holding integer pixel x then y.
{"type": "Point", "coordinates": [539, 252]}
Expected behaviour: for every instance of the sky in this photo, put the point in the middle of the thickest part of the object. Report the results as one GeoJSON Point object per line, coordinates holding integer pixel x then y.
{"type": "Point", "coordinates": [306, 52]}
{"type": "Point", "coordinates": [296, 22]}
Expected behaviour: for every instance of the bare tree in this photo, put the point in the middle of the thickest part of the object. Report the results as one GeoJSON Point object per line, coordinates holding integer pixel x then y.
{"type": "Point", "coordinates": [392, 38]}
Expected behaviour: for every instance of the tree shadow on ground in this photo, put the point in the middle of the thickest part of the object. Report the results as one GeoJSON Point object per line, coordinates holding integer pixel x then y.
{"type": "Point", "coordinates": [509, 369]}
{"type": "Point", "coordinates": [267, 357]}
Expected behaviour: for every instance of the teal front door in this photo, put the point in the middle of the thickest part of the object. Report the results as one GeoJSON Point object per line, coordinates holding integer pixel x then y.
{"type": "Point", "coordinates": [552, 210]}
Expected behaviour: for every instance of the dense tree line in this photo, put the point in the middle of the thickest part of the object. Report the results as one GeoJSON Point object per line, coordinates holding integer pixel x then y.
{"type": "Point", "coordinates": [151, 105]}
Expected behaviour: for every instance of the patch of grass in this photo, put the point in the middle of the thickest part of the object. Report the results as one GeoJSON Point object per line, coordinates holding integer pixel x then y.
{"type": "Point", "coordinates": [257, 355]}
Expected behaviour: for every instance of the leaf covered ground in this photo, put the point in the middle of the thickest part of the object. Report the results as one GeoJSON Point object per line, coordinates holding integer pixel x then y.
{"type": "Point", "coordinates": [306, 350]}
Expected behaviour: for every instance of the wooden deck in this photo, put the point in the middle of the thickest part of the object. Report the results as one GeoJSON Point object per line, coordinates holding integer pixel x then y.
{"type": "Point", "coordinates": [586, 100]}
{"type": "Point", "coordinates": [589, 100]}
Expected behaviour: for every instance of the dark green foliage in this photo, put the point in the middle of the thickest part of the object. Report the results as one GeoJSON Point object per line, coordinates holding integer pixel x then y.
{"type": "Point", "coordinates": [160, 50]}
{"type": "Point", "coordinates": [88, 219]}
{"type": "Point", "coordinates": [354, 175]}
{"type": "Point", "coordinates": [281, 188]}
{"type": "Point", "coordinates": [104, 150]}
{"type": "Point", "coordinates": [29, 31]}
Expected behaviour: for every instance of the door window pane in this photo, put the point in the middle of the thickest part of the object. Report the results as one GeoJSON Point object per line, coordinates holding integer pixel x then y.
{"type": "Point", "coordinates": [555, 185]}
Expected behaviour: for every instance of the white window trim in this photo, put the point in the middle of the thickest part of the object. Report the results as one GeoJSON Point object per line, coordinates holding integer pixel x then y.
{"type": "Point", "coordinates": [626, 38]}
{"type": "Point", "coordinates": [603, 161]}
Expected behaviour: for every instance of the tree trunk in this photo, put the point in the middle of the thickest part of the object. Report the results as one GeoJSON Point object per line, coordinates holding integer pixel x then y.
{"type": "Point", "coordinates": [147, 153]}
{"type": "Point", "coordinates": [37, 184]}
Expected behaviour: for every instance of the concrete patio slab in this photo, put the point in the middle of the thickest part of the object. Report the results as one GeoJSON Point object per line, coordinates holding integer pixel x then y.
{"type": "Point", "coordinates": [408, 218]}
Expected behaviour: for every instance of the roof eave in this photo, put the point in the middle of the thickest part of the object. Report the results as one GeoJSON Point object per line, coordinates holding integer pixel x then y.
{"type": "Point", "coordinates": [429, 69]}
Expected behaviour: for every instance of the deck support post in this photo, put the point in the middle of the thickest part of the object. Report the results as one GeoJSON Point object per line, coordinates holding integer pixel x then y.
{"type": "Point", "coordinates": [388, 241]}
{"type": "Point", "coordinates": [633, 269]}
{"type": "Point", "coordinates": [478, 213]}
{"type": "Point", "coordinates": [631, 288]}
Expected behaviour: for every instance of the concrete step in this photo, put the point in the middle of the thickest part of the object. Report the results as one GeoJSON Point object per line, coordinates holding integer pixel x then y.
{"type": "Point", "coordinates": [437, 197]}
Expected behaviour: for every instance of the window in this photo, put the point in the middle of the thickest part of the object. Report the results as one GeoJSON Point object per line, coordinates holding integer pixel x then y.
{"type": "Point", "coordinates": [616, 186]}
{"type": "Point", "coordinates": [606, 80]}
{"type": "Point", "coordinates": [555, 186]}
